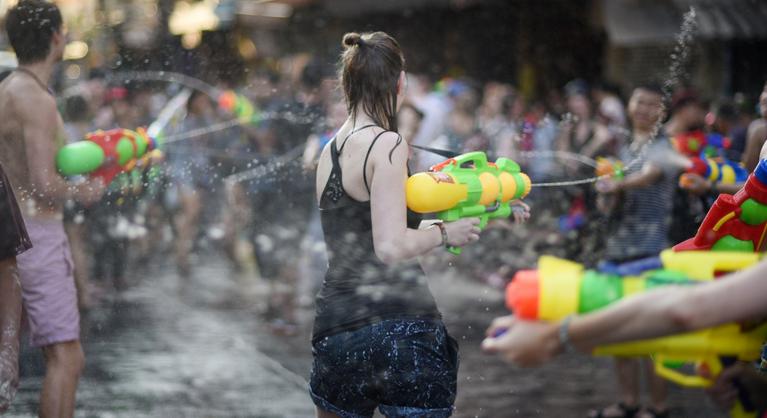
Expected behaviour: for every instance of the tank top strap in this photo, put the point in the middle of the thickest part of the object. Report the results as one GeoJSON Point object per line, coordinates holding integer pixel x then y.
{"type": "Point", "coordinates": [354, 131]}
{"type": "Point", "coordinates": [367, 156]}
{"type": "Point", "coordinates": [334, 154]}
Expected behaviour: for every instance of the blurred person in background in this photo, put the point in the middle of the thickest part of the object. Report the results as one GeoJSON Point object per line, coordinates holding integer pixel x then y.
{"type": "Point", "coordinates": [281, 209]}
{"type": "Point", "coordinates": [505, 134]}
{"type": "Point", "coordinates": [581, 134]}
{"type": "Point", "coordinates": [110, 224]}
{"type": "Point", "coordinates": [641, 204]}
{"type": "Point", "coordinates": [78, 123]}
{"type": "Point", "coordinates": [757, 134]}
{"type": "Point", "coordinates": [95, 90]}
{"type": "Point", "coordinates": [610, 109]}
{"type": "Point", "coordinates": [190, 175]}
{"type": "Point", "coordinates": [461, 134]}
{"type": "Point", "coordinates": [688, 113]}
{"type": "Point", "coordinates": [409, 119]}
{"type": "Point", "coordinates": [435, 106]}
{"type": "Point", "coordinates": [723, 119]}
{"type": "Point", "coordinates": [726, 120]}
{"type": "Point", "coordinates": [687, 116]}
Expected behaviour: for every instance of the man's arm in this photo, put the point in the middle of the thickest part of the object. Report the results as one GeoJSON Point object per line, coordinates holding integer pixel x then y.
{"type": "Point", "coordinates": [10, 317]}
{"type": "Point", "coordinates": [41, 127]}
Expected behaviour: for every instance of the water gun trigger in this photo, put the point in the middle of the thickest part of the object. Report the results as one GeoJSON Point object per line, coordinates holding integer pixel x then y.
{"type": "Point", "coordinates": [108, 172]}
{"type": "Point", "coordinates": [713, 364]}
{"type": "Point", "coordinates": [454, 250]}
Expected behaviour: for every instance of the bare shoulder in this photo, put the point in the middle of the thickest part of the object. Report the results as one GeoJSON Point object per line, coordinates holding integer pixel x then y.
{"type": "Point", "coordinates": [31, 102]}
{"type": "Point", "coordinates": [390, 146]}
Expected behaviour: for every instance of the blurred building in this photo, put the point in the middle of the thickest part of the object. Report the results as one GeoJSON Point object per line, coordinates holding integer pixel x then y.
{"type": "Point", "coordinates": [536, 44]}
{"type": "Point", "coordinates": [727, 50]}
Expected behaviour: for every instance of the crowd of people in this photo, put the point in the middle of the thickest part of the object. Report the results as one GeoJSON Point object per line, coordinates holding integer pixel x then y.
{"type": "Point", "coordinates": [247, 190]}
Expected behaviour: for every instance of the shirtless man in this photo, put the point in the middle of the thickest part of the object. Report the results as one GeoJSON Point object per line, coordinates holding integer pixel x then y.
{"type": "Point", "coordinates": [30, 136]}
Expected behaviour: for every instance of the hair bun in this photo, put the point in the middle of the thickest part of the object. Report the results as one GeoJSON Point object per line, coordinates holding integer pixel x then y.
{"type": "Point", "coordinates": [352, 39]}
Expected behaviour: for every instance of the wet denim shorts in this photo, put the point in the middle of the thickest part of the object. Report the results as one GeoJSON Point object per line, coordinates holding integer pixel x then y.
{"type": "Point", "coordinates": [404, 367]}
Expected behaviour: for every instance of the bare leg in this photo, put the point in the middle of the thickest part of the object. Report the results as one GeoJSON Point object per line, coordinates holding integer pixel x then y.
{"type": "Point", "coordinates": [628, 380]}
{"type": "Point", "coordinates": [187, 223]}
{"type": "Point", "coordinates": [10, 321]}
{"type": "Point", "coordinates": [76, 236]}
{"type": "Point", "coordinates": [63, 364]}
{"type": "Point", "coordinates": [627, 371]}
{"type": "Point", "coordinates": [658, 388]}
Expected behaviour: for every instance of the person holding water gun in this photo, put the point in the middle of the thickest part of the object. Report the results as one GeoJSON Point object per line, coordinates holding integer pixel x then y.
{"type": "Point", "coordinates": [670, 310]}
{"type": "Point", "coordinates": [375, 293]}
{"type": "Point", "coordinates": [640, 201]}
{"type": "Point", "coordinates": [656, 313]}
{"type": "Point", "coordinates": [30, 135]}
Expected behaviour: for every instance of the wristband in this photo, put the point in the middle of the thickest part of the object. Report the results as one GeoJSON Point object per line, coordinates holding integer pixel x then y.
{"type": "Point", "coordinates": [443, 231]}
{"type": "Point", "coordinates": [564, 337]}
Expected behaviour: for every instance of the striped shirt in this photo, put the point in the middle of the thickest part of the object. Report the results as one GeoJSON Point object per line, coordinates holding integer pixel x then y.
{"type": "Point", "coordinates": [646, 212]}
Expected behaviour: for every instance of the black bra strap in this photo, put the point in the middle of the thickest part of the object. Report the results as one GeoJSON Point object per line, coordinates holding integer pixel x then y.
{"type": "Point", "coordinates": [365, 164]}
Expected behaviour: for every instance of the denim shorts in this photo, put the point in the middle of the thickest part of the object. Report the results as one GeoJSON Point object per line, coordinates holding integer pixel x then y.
{"type": "Point", "coordinates": [404, 367]}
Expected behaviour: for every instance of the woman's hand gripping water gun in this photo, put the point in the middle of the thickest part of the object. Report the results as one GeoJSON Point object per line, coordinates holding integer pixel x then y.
{"type": "Point", "coordinates": [468, 186]}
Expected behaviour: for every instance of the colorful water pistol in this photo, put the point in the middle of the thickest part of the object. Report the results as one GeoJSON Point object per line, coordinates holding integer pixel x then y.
{"type": "Point", "coordinates": [706, 153]}
{"type": "Point", "coordinates": [560, 288]}
{"type": "Point", "coordinates": [693, 144]}
{"type": "Point", "coordinates": [735, 222]}
{"type": "Point", "coordinates": [468, 186]}
{"type": "Point", "coordinates": [717, 170]}
{"type": "Point", "coordinates": [240, 106]}
{"type": "Point", "coordinates": [106, 153]}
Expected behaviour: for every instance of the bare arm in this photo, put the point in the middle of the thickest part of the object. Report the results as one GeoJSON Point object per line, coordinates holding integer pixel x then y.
{"type": "Point", "coordinates": [393, 240]}
{"type": "Point", "coordinates": [755, 139]}
{"type": "Point", "coordinates": [601, 138]}
{"type": "Point", "coordinates": [311, 152]}
{"type": "Point", "coordinates": [674, 310]}
{"type": "Point", "coordinates": [41, 126]}
{"type": "Point", "coordinates": [661, 312]}
{"type": "Point", "coordinates": [10, 317]}
{"type": "Point", "coordinates": [647, 176]}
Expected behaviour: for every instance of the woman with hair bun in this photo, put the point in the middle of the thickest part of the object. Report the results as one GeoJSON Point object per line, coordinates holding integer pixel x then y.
{"type": "Point", "coordinates": [378, 340]}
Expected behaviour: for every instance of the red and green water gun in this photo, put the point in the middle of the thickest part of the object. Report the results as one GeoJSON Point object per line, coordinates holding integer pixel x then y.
{"type": "Point", "coordinates": [106, 154]}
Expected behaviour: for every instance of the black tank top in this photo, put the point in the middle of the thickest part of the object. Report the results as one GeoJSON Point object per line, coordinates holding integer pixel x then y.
{"type": "Point", "coordinates": [359, 289]}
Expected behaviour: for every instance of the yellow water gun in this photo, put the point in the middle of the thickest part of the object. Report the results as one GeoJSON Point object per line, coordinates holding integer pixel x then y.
{"type": "Point", "coordinates": [468, 186]}
{"type": "Point", "coordinates": [560, 288]}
